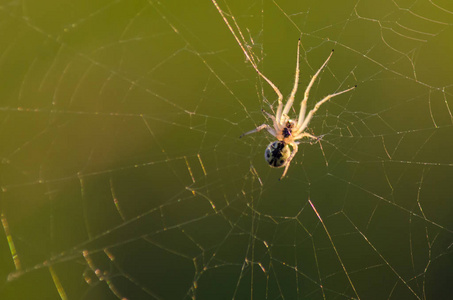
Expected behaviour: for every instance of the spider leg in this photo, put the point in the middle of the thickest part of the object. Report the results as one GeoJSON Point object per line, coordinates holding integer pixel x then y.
{"type": "Point", "coordinates": [305, 134]}
{"type": "Point", "coordinates": [277, 126]}
{"type": "Point", "coordinates": [276, 90]}
{"type": "Point", "coordinates": [303, 105]}
{"type": "Point", "coordinates": [273, 86]}
{"type": "Point", "coordinates": [252, 62]}
{"type": "Point", "coordinates": [259, 128]}
{"type": "Point", "coordinates": [321, 102]}
{"type": "Point", "coordinates": [295, 149]}
{"type": "Point", "coordinates": [290, 101]}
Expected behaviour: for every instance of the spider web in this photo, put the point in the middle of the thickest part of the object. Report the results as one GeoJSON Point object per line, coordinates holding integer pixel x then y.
{"type": "Point", "coordinates": [123, 175]}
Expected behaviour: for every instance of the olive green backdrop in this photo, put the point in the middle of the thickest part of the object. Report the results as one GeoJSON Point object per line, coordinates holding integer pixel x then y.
{"type": "Point", "coordinates": [123, 175]}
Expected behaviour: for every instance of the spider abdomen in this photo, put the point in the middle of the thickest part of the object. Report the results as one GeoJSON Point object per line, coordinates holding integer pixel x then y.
{"type": "Point", "coordinates": [277, 154]}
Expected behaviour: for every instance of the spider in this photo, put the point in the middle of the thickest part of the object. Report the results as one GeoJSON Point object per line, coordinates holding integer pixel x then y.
{"type": "Point", "coordinates": [287, 131]}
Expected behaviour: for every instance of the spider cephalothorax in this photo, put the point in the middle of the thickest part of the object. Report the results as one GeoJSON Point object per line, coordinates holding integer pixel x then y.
{"type": "Point", "coordinates": [285, 130]}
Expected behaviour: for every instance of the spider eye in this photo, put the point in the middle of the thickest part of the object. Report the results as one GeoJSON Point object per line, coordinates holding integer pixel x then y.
{"type": "Point", "coordinates": [277, 154]}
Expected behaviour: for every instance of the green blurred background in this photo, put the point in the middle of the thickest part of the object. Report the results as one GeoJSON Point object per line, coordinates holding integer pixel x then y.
{"type": "Point", "coordinates": [123, 176]}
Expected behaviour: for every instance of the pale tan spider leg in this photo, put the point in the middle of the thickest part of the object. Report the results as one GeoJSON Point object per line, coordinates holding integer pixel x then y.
{"type": "Point", "coordinates": [278, 127]}
{"type": "Point", "coordinates": [295, 149]}
{"type": "Point", "coordinates": [259, 128]}
{"type": "Point", "coordinates": [311, 112]}
{"type": "Point", "coordinates": [304, 134]}
{"type": "Point", "coordinates": [276, 90]}
{"type": "Point", "coordinates": [290, 101]}
{"type": "Point", "coordinates": [273, 86]}
{"type": "Point", "coordinates": [303, 105]}
{"type": "Point", "coordinates": [268, 114]}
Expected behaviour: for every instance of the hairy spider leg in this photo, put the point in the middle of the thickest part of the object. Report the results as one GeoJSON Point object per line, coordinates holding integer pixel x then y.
{"type": "Point", "coordinates": [274, 87]}
{"type": "Point", "coordinates": [290, 101]}
{"type": "Point", "coordinates": [318, 105]}
{"type": "Point", "coordinates": [259, 128]}
{"type": "Point", "coordinates": [276, 90]}
{"type": "Point", "coordinates": [303, 105]}
{"type": "Point", "coordinates": [277, 125]}
{"type": "Point", "coordinates": [305, 134]}
{"type": "Point", "coordinates": [295, 149]}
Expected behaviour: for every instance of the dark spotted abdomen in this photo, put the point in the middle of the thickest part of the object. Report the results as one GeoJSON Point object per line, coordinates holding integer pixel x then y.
{"type": "Point", "coordinates": [277, 154]}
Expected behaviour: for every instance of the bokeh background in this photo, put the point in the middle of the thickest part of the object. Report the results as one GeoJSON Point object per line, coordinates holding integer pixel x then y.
{"type": "Point", "coordinates": [122, 175]}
